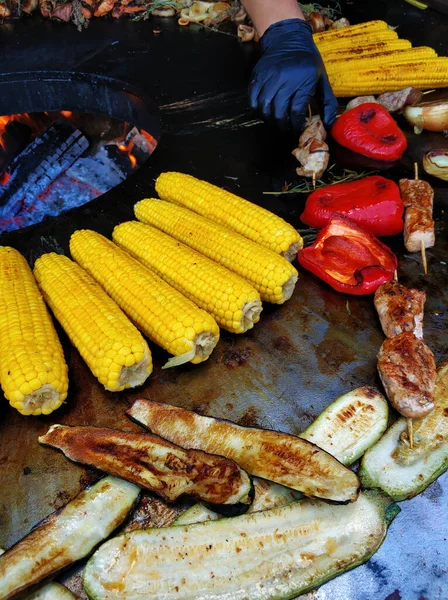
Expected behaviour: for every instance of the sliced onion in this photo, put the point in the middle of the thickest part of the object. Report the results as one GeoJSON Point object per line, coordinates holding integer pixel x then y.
{"type": "Point", "coordinates": [436, 163]}
{"type": "Point", "coordinates": [432, 116]}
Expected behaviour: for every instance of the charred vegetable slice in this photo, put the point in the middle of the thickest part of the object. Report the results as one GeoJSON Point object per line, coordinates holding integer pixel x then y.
{"type": "Point", "coordinates": [350, 424]}
{"type": "Point", "coordinates": [51, 591]}
{"type": "Point", "coordinates": [271, 455]}
{"type": "Point", "coordinates": [403, 472]}
{"type": "Point", "coordinates": [273, 554]}
{"type": "Point", "coordinates": [267, 495]}
{"type": "Point", "coordinates": [66, 535]}
{"type": "Point", "coordinates": [153, 463]}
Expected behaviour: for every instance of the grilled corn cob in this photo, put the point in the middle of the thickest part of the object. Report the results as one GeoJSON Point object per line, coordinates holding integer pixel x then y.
{"type": "Point", "coordinates": [391, 57]}
{"type": "Point", "coordinates": [272, 275]}
{"type": "Point", "coordinates": [432, 73]}
{"type": "Point", "coordinates": [366, 50]}
{"type": "Point", "coordinates": [345, 32]}
{"type": "Point", "coordinates": [33, 372]}
{"type": "Point", "coordinates": [244, 217]}
{"type": "Point", "coordinates": [357, 41]}
{"type": "Point", "coordinates": [112, 347]}
{"type": "Point", "coordinates": [232, 301]}
{"type": "Point", "coordinates": [160, 311]}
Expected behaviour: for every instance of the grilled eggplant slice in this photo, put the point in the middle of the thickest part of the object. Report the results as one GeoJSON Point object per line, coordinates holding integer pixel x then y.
{"type": "Point", "coordinates": [400, 471]}
{"type": "Point", "coordinates": [273, 554]}
{"type": "Point", "coordinates": [66, 535]}
{"type": "Point", "coordinates": [350, 425]}
{"type": "Point", "coordinates": [50, 591]}
{"type": "Point", "coordinates": [154, 464]}
{"type": "Point", "coordinates": [278, 457]}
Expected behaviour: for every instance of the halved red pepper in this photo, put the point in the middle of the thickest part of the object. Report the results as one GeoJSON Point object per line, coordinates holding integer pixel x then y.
{"type": "Point", "coordinates": [373, 202]}
{"type": "Point", "coordinates": [349, 258]}
{"type": "Point", "coordinates": [369, 129]}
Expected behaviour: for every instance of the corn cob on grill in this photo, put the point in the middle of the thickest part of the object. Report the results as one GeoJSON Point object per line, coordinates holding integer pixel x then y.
{"type": "Point", "coordinates": [33, 372]}
{"type": "Point", "coordinates": [231, 300]}
{"type": "Point", "coordinates": [112, 347]}
{"type": "Point", "coordinates": [432, 73]}
{"type": "Point", "coordinates": [347, 32]}
{"type": "Point", "coordinates": [366, 50]}
{"type": "Point", "coordinates": [357, 40]}
{"type": "Point", "coordinates": [381, 58]}
{"type": "Point", "coordinates": [160, 311]}
{"type": "Point", "coordinates": [272, 275]}
{"type": "Point", "coordinates": [244, 217]}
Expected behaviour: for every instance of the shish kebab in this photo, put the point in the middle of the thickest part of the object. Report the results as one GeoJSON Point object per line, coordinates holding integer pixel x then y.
{"type": "Point", "coordinates": [418, 198]}
{"type": "Point", "coordinates": [406, 365]}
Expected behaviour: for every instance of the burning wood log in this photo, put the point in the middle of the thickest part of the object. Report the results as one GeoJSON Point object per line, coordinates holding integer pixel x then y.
{"type": "Point", "coordinates": [38, 165]}
{"type": "Point", "coordinates": [14, 138]}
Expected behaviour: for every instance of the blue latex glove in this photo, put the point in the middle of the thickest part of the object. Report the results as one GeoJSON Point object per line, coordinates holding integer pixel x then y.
{"type": "Point", "coordinates": [288, 75]}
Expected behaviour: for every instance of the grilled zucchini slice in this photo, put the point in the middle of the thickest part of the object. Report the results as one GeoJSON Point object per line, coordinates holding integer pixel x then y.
{"type": "Point", "coordinates": [67, 535]}
{"type": "Point", "coordinates": [273, 554]}
{"type": "Point", "coordinates": [400, 471]}
{"type": "Point", "coordinates": [350, 425]}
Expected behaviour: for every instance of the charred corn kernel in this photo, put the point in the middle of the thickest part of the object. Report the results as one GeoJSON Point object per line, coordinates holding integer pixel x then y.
{"type": "Point", "coordinates": [366, 50]}
{"type": "Point", "coordinates": [359, 29]}
{"type": "Point", "coordinates": [33, 372]}
{"type": "Point", "coordinates": [381, 58]}
{"type": "Point", "coordinates": [200, 279]}
{"type": "Point", "coordinates": [161, 312]}
{"type": "Point", "coordinates": [432, 73]}
{"type": "Point", "coordinates": [272, 275]}
{"type": "Point", "coordinates": [358, 40]}
{"type": "Point", "coordinates": [244, 217]}
{"type": "Point", "coordinates": [94, 323]}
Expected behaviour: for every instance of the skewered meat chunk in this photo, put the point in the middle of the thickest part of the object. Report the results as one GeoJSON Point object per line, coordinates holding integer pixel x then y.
{"type": "Point", "coordinates": [408, 371]}
{"type": "Point", "coordinates": [418, 228]}
{"type": "Point", "coordinates": [395, 101]}
{"type": "Point", "coordinates": [415, 192]}
{"type": "Point", "coordinates": [312, 151]}
{"type": "Point", "coordinates": [400, 309]}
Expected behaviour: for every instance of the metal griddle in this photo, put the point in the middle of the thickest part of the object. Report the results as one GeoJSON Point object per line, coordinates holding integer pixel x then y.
{"type": "Point", "coordinates": [301, 356]}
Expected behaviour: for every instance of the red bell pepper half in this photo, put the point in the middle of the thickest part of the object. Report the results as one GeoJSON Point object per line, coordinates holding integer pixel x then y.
{"type": "Point", "coordinates": [349, 258]}
{"type": "Point", "coordinates": [369, 129]}
{"type": "Point", "coordinates": [373, 202]}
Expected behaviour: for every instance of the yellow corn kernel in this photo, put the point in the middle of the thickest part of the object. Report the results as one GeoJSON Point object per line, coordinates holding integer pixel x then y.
{"type": "Point", "coordinates": [359, 29]}
{"type": "Point", "coordinates": [244, 217]}
{"type": "Point", "coordinates": [161, 312]}
{"type": "Point", "coordinates": [272, 275]}
{"type": "Point", "coordinates": [381, 58]}
{"type": "Point", "coordinates": [431, 73]}
{"type": "Point", "coordinates": [200, 279]}
{"type": "Point", "coordinates": [357, 41]}
{"type": "Point", "coordinates": [94, 323]}
{"type": "Point", "coordinates": [366, 50]}
{"type": "Point", "coordinates": [33, 372]}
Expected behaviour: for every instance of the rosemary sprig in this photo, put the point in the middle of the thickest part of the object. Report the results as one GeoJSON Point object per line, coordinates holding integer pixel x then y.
{"type": "Point", "coordinates": [305, 187]}
{"type": "Point", "coordinates": [333, 12]}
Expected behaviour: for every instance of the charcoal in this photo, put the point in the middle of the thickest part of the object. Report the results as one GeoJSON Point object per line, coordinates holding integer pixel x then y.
{"type": "Point", "coordinates": [38, 165]}
{"type": "Point", "coordinates": [14, 139]}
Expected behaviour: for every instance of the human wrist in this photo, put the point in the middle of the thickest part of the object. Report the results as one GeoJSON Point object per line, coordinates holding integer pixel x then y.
{"type": "Point", "coordinates": [265, 13]}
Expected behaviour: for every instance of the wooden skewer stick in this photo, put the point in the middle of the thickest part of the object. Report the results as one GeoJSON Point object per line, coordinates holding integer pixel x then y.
{"type": "Point", "coordinates": [396, 275]}
{"type": "Point", "coordinates": [310, 114]}
{"type": "Point", "coordinates": [422, 243]}
{"type": "Point", "coordinates": [410, 433]}
{"type": "Point", "coordinates": [314, 181]}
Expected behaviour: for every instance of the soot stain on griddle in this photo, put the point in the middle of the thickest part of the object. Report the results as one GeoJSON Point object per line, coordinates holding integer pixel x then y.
{"type": "Point", "coordinates": [433, 492]}
{"type": "Point", "coordinates": [250, 418]}
{"type": "Point", "coordinates": [283, 344]}
{"type": "Point", "coordinates": [394, 596]}
{"type": "Point", "coordinates": [235, 357]}
{"type": "Point", "coordinates": [331, 354]}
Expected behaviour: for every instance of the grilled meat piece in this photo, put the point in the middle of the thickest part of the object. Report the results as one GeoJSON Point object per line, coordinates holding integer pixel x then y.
{"type": "Point", "coordinates": [400, 309]}
{"type": "Point", "coordinates": [153, 463]}
{"type": "Point", "coordinates": [415, 192]}
{"type": "Point", "coordinates": [408, 371]}
{"type": "Point", "coordinates": [312, 151]}
{"type": "Point", "coordinates": [359, 100]}
{"type": "Point", "coordinates": [395, 101]}
{"type": "Point", "coordinates": [418, 228]}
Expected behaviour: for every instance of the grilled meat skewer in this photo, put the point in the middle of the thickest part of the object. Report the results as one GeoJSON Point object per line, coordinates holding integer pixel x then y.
{"type": "Point", "coordinates": [408, 371]}
{"type": "Point", "coordinates": [400, 309]}
{"type": "Point", "coordinates": [418, 198]}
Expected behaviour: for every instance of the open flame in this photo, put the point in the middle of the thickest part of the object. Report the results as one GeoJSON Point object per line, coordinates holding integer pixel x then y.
{"type": "Point", "coordinates": [127, 149]}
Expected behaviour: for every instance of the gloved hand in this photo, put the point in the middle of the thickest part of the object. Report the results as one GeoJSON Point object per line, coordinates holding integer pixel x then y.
{"type": "Point", "coordinates": [289, 73]}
